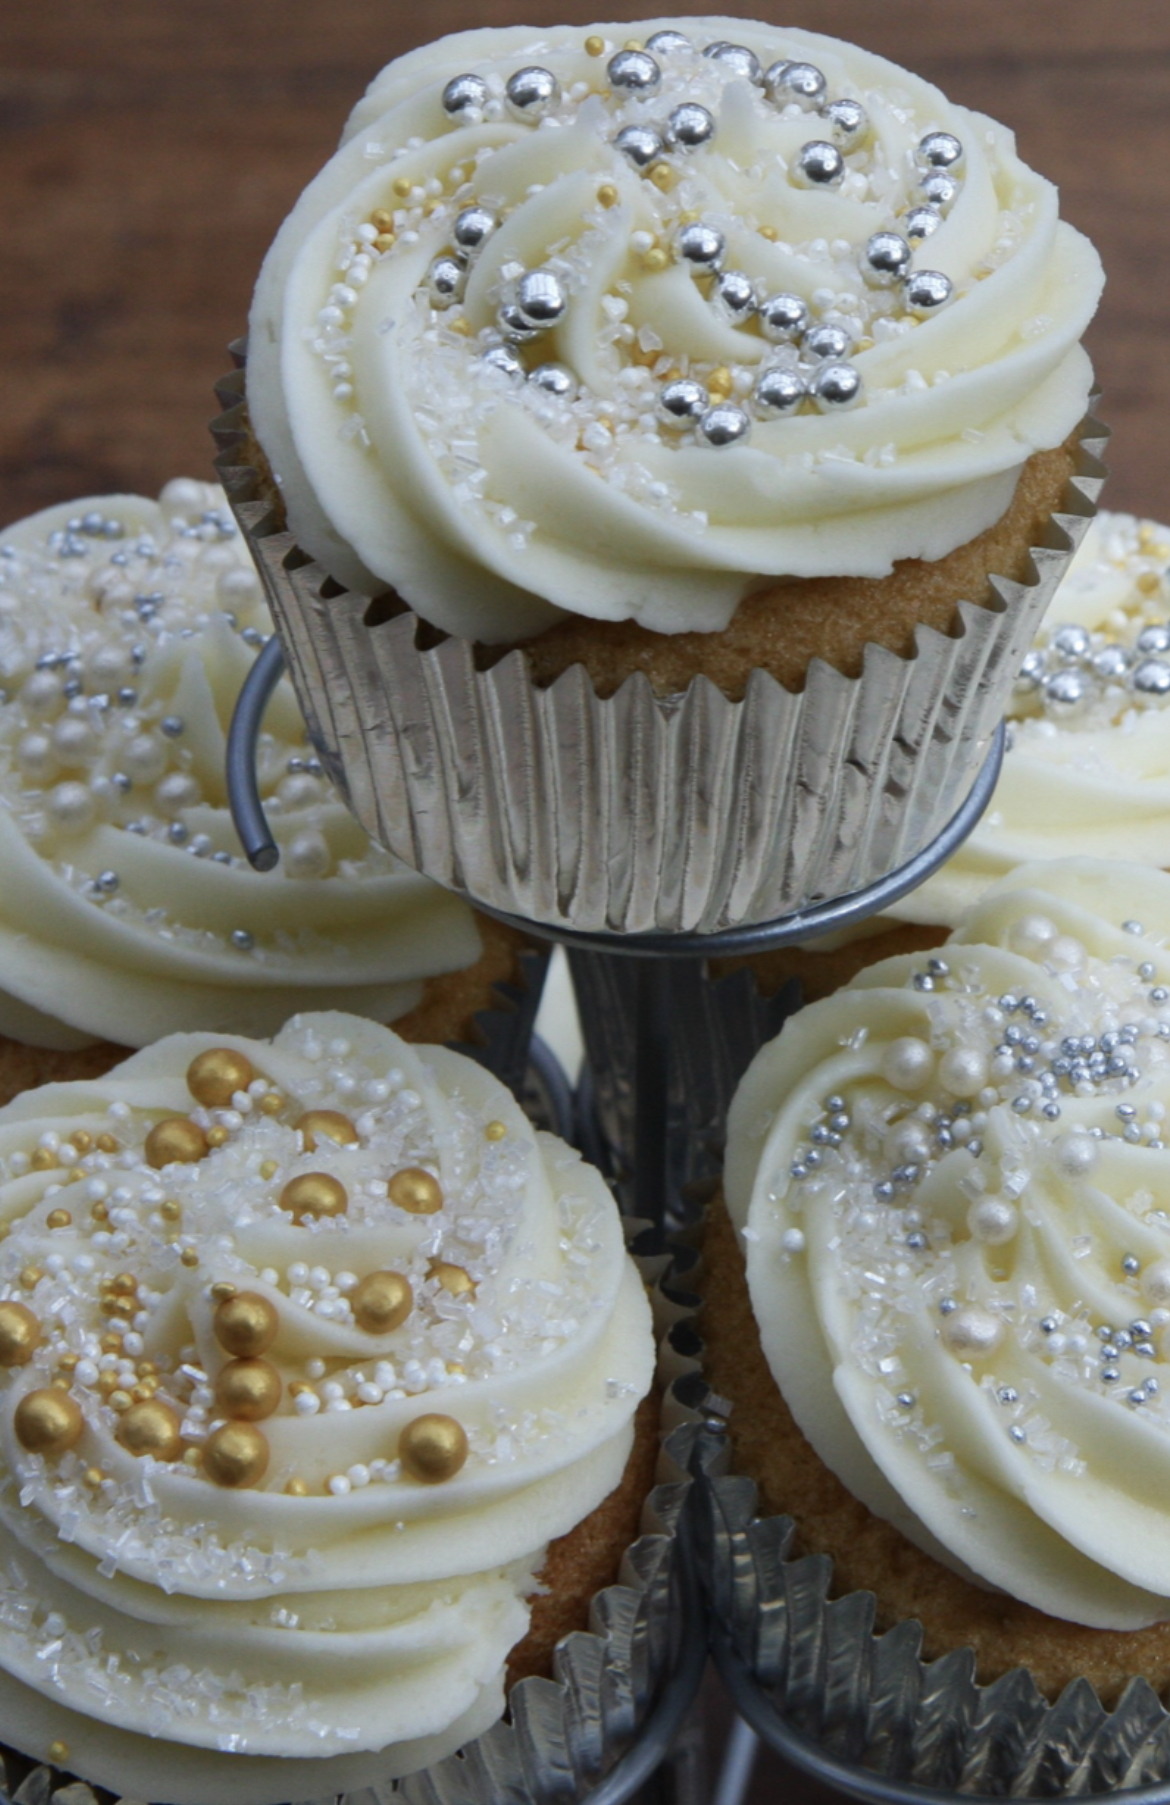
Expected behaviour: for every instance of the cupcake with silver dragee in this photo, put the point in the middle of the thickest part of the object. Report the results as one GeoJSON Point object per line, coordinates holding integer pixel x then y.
{"type": "Point", "coordinates": [650, 353]}
{"type": "Point", "coordinates": [1087, 767]}
{"type": "Point", "coordinates": [321, 1370]}
{"type": "Point", "coordinates": [128, 910]}
{"type": "Point", "coordinates": [938, 1300]}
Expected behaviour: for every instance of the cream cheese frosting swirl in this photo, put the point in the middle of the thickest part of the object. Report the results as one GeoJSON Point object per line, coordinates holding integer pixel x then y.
{"type": "Point", "coordinates": [953, 1188]}
{"type": "Point", "coordinates": [1088, 764]}
{"type": "Point", "coordinates": [566, 326]}
{"type": "Point", "coordinates": [301, 1380]}
{"type": "Point", "coordinates": [127, 909]}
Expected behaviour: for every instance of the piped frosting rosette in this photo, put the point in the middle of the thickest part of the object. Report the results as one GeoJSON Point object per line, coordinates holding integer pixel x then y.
{"type": "Point", "coordinates": [127, 910]}
{"type": "Point", "coordinates": [571, 325]}
{"type": "Point", "coordinates": [953, 1188]}
{"type": "Point", "coordinates": [311, 1348]}
{"type": "Point", "coordinates": [1088, 766]}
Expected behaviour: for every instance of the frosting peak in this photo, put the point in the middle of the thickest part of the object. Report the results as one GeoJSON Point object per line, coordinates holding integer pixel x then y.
{"type": "Point", "coordinates": [953, 1185]}
{"type": "Point", "coordinates": [127, 909]}
{"type": "Point", "coordinates": [1088, 764]}
{"type": "Point", "coordinates": [298, 1388]}
{"type": "Point", "coordinates": [567, 325]}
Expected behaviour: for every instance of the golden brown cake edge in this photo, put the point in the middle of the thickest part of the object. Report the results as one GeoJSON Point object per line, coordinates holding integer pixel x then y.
{"type": "Point", "coordinates": [870, 1554]}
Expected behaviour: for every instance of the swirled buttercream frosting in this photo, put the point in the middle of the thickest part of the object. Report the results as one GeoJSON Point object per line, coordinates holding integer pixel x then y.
{"type": "Point", "coordinates": [1088, 764]}
{"type": "Point", "coordinates": [620, 321]}
{"type": "Point", "coordinates": [952, 1181]}
{"type": "Point", "coordinates": [127, 908]}
{"type": "Point", "coordinates": [310, 1347]}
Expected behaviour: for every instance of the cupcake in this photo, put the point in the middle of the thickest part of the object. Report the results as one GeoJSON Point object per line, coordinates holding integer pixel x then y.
{"type": "Point", "coordinates": [730, 353]}
{"type": "Point", "coordinates": [127, 910]}
{"type": "Point", "coordinates": [1087, 768]}
{"type": "Point", "coordinates": [318, 1417]}
{"type": "Point", "coordinates": [938, 1295]}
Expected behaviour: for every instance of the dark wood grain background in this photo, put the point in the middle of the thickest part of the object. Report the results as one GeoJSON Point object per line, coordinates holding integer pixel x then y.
{"type": "Point", "coordinates": [149, 149]}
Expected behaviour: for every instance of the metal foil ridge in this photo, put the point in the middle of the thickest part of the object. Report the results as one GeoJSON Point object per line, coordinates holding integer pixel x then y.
{"type": "Point", "coordinates": [688, 813]}
{"type": "Point", "coordinates": [867, 1705]}
{"type": "Point", "coordinates": [504, 1031]}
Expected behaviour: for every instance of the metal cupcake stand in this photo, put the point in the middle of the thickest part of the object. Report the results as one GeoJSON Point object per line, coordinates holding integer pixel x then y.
{"type": "Point", "coordinates": [666, 1046]}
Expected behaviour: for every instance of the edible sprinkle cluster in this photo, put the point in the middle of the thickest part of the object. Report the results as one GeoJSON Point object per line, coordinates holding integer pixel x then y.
{"type": "Point", "coordinates": [657, 107]}
{"type": "Point", "coordinates": [944, 1172]}
{"type": "Point", "coordinates": [95, 622]}
{"type": "Point", "coordinates": [134, 1309]}
{"type": "Point", "coordinates": [1081, 677]}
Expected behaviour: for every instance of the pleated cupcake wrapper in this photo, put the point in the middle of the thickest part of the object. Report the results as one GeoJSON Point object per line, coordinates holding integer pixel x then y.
{"type": "Point", "coordinates": [868, 1700]}
{"type": "Point", "coordinates": [871, 1700]}
{"type": "Point", "coordinates": [641, 813]}
{"type": "Point", "coordinates": [503, 1033]}
{"type": "Point", "coordinates": [716, 1026]}
{"type": "Point", "coordinates": [564, 1734]}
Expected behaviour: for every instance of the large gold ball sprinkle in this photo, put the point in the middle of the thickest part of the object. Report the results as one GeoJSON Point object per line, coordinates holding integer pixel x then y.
{"type": "Point", "coordinates": [452, 1278]}
{"type": "Point", "coordinates": [236, 1455]}
{"type": "Point", "coordinates": [327, 1125]}
{"type": "Point", "coordinates": [58, 1751]}
{"type": "Point", "coordinates": [48, 1422]}
{"type": "Point", "coordinates": [58, 1219]}
{"type": "Point", "coordinates": [248, 1390]}
{"type": "Point", "coordinates": [246, 1324]}
{"type": "Point", "coordinates": [20, 1334]}
{"type": "Point", "coordinates": [177, 1141]}
{"type": "Point", "coordinates": [381, 1302]}
{"type": "Point", "coordinates": [151, 1428]}
{"type": "Point", "coordinates": [314, 1194]}
{"type": "Point", "coordinates": [43, 1160]}
{"type": "Point", "coordinates": [215, 1076]}
{"type": "Point", "coordinates": [432, 1448]}
{"type": "Point", "coordinates": [417, 1191]}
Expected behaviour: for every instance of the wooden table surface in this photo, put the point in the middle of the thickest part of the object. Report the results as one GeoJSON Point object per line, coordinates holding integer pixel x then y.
{"type": "Point", "coordinates": [150, 148]}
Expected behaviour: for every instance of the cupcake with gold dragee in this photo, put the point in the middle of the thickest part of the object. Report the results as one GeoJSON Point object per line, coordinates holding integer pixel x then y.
{"type": "Point", "coordinates": [665, 351]}
{"type": "Point", "coordinates": [311, 1349]}
{"type": "Point", "coordinates": [127, 909]}
{"type": "Point", "coordinates": [938, 1300]}
{"type": "Point", "coordinates": [1087, 769]}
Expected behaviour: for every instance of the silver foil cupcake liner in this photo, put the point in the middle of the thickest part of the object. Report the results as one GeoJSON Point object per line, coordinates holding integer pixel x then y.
{"type": "Point", "coordinates": [715, 1028]}
{"type": "Point", "coordinates": [640, 813]}
{"type": "Point", "coordinates": [863, 1712]}
{"type": "Point", "coordinates": [621, 1687]}
{"type": "Point", "coordinates": [860, 1709]}
{"type": "Point", "coordinates": [503, 1033]}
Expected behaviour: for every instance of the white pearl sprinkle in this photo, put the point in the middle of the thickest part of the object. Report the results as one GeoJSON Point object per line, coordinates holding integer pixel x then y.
{"type": "Point", "coordinates": [907, 1063]}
